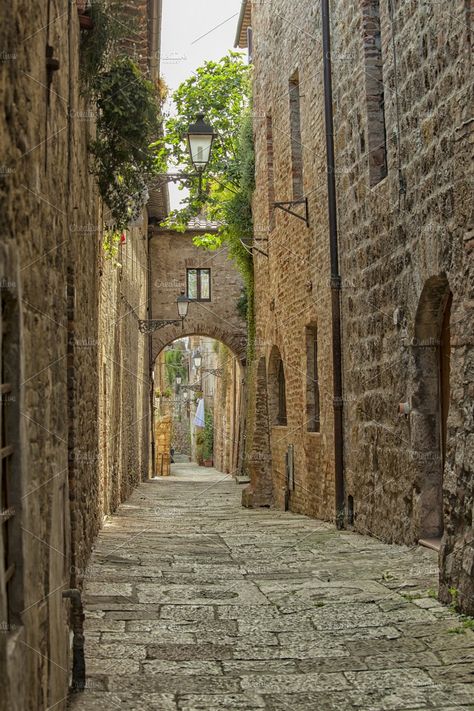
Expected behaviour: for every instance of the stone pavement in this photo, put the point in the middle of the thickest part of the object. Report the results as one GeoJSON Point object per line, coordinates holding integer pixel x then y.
{"type": "Point", "coordinates": [193, 602]}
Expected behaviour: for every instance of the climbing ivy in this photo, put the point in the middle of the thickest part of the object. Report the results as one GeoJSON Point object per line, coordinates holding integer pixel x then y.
{"type": "Point", "coordinates": [174, 366]}
{"type": "Point", "coordinates": [126, 124]}
{"type": "Point", "coordinates": [232, 209]}
{"type": "Point", "coordinates": [127, 115]}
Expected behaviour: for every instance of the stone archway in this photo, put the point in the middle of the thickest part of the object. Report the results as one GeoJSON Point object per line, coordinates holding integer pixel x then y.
{"type": "Point", "coordinates": [234, 339]}
{"type": "Point", "coordinates": [430, 403]}
{"type": "Point", "coordinates": [173, 256]}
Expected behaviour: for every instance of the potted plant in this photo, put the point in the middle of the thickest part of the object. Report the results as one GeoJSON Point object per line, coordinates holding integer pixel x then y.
{"type": "Point", "coordinates": [208, 437]}
{"type": "Point", "coordinates": [85, 19]}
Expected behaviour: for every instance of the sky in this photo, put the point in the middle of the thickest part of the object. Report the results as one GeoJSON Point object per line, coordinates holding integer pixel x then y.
{"type": "Point", "coordinates": [192, 33]}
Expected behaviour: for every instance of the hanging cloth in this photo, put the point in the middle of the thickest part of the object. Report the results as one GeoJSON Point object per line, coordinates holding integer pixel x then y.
{"type": "Point", "coordinates": [199, 417]}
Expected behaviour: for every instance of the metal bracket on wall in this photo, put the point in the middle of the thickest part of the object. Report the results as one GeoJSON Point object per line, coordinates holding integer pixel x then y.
{"type": "Point", "coordinates": [286, 207]}
{"type": "Point", "coordinates": [154, 324]}
{"type": "Point", "coordinates": [251, 247]}
{"type": "Point", "coordinates": [217, 372]}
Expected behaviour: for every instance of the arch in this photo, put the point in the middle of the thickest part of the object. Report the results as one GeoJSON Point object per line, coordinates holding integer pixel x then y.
{"type": "Point", "coordinates": [430, 402]}
{"type": "Point", "coordinates": [235, 340]}
{"type": "Point", "coordinates": [259, 461]}
{"type": "Point", "coordinates": [276, 389]}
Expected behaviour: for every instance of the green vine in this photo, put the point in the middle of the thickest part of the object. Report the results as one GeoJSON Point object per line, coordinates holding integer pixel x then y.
{"type": "Point", "coordinates": [174, 366]}
{"type": "Point", "coordinates": [111, 26]}
{"type": "Point", "coordinates": [208, 439]}
{"type": "Point", "coordinates": [127, 122]}
{"type": "Point", "coordinates": [127, 110]}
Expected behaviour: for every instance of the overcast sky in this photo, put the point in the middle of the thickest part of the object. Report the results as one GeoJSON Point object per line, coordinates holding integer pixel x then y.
{"type": "Point", "coordinates": [192, 33]}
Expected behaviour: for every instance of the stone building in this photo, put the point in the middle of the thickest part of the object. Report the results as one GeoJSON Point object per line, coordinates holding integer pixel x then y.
{"type": "Point", "coordinates": [403, 141]}
{"type": "Point", "coordinates": [75, 371]}
{"type": "Point", "coordinates": [208, 278]}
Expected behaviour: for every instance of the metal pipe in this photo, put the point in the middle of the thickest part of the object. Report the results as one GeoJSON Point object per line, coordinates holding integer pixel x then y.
{"type": "Point", "coordinates": [335, 276]}
{"type": "Point", "coordinates": [150, 357]}
{"type": "Point", "coordinates": [77, 624]}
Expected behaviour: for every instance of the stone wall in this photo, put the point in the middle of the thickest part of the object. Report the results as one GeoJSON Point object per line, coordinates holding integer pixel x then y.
{"type": "Point", "coordinates": [171, 254]}
{"type": "Point", "coordinates": [292, 287]}
{"type": "Point", "coordinates": [77, 414]}
{"type": "Point", "coordinates": [45, 193]}
{"type": "Point", "coordinates": [227, 408]}
{"type": "Point", "coordinates": [405, 244]}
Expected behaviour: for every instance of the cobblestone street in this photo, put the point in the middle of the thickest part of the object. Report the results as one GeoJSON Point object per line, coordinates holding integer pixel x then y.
{"type": "Point", "coordinates": [193, 602]}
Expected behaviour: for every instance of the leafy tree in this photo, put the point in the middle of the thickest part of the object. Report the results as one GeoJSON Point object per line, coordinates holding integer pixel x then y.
{"type": "Point", "coordinates": [174, 366]}
{"type": "Point", "coordinates": [220, 90]}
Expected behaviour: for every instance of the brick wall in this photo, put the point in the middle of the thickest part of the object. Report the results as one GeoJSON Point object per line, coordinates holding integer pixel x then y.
{"type": "Point", "coordinates": [292, 285]}
{"type": "Point", "coordinates": [405, 247]}
{"type": "Point", "coordinates": [80, 360]}
{"type": "Point", "coordinates": [171, 254]}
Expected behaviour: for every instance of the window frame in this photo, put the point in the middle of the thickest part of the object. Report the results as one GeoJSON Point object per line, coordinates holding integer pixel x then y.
{"type": "Point", "coordinates": [198, 271]}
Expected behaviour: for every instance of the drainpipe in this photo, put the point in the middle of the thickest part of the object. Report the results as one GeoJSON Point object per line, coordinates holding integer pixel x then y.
{"type": "Point", "coordinates": [335, 276]}
{"type": "Point", "coordinates": [150, 355]}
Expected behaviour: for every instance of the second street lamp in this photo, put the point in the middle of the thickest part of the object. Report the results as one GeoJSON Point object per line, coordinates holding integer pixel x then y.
{"type": "Point", "coordinates": [152, 325]}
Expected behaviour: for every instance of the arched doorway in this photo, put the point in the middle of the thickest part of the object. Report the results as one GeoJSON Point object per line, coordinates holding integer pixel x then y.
{"type": "Point", "coordinates": [259, 461]}
{"type": "Point", "coordinates": [430, 402]}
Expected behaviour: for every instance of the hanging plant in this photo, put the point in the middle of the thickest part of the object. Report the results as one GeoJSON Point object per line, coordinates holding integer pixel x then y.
{"type": "Point", "coordinates": [107, 26]}
{"type": "Point", "coordinates": [127, 123]}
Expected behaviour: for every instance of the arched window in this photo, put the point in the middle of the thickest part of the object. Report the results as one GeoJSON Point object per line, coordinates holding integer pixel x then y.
{"type": "Point", "coordinates": [11, 594]}
{"type": "Point", "coordinates": [281, 419]}
{"type": "Point", "coordinates": [277, 389]}
{"type": "Point", "coordinates": [312, 380]}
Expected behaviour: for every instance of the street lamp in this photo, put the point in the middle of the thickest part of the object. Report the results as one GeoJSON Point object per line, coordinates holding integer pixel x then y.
{"type": "Point", "coordinates": [152, 325]}
{"type": "Point", "coordinates": [183, 305]}
{"type": "Point", "coordinates": [197, 358]}
{"type": "Point", "coordinates": [179, 380]}
{"type": "Point", "coordinates": [200, 139]}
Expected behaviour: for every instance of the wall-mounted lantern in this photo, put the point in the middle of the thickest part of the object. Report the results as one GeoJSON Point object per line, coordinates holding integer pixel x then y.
{"type": "Point", "coordinates": [152, 325]}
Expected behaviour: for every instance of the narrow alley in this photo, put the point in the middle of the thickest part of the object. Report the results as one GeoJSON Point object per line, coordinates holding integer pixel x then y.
{"type": "Point", "coordinates": [236, 355]}
{"type": "Point", "coordinates": [193, 602]}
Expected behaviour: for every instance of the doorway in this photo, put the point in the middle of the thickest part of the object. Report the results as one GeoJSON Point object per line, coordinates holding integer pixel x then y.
{"type": "Point", "coordinates": [432, 356]}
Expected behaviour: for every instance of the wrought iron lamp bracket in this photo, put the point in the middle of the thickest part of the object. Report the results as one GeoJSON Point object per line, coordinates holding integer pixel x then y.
{"type": "Point", "coordinates": [154, 324]}
{"type": "Point", "coordinates": [287, 207]}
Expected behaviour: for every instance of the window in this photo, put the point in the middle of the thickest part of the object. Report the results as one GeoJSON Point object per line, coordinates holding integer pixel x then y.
{"type": "Point", "coordinates": [276, 389]}
{"type": "Point", "coordinates": [270, 174]}
{"type": "Point", "coordinates": [199, 284]}
{"type": "Point", "coordinates": [312, 380]}
{"type": "Point", "coordinates": [9, 477]}
{"type": "Point", "coordinates": [374, 90]}
{"type": "Point", "coordinates": [295, 133]}
{"type": "Point", "coordinates": [281, 419]}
